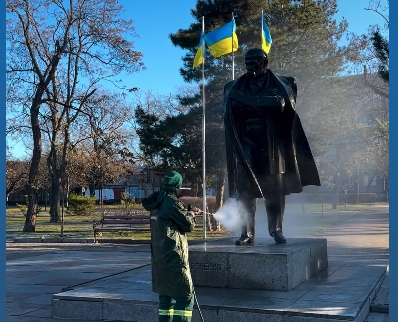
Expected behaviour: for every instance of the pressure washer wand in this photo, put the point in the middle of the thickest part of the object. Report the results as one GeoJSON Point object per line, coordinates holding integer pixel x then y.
{"type": "Point", "coordinates": [207, 213]}
{"type": "Point", "coordinates": [197, 304]}
{"type": "Point", "coordinates": [193, 289]}
{"type": "Point", "coordinates": [198, 209]}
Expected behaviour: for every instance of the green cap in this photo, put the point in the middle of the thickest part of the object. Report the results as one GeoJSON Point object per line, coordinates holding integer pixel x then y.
{"type": "Point", "coordinates": [172, 179]}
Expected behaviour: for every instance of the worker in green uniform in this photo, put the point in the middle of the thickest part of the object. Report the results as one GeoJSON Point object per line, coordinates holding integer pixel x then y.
{"type": "Point", "coordinates": [171, 276]}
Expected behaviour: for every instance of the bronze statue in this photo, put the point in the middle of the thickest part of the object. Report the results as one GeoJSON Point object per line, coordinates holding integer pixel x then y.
{"type": "Point", "coordinates": [268, 155]}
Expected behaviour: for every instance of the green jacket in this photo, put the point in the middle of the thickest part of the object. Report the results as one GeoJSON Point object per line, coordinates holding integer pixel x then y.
{"type": "Point", "coordinates": [170, 221]}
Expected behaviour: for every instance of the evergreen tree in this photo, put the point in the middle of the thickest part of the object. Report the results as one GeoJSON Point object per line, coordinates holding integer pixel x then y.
{"type": "Point", "coordinates": [381, 47]}
{"type": "Point", "coordinates": [171, 143]}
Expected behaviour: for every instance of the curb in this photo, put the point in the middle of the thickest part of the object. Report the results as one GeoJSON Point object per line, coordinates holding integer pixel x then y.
{"type": "Point", "coordinates": [123, 241]}
{"type": "Point", "coordinates": [76, 240]}
{"type": "Point", "coordinates": [91, 240]}
{"type": "Point", "coordinates": [380, 302]}
{"type": "Point", "coordinates": [52, 240]}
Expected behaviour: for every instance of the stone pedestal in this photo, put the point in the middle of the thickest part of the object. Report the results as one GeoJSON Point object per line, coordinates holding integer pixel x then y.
{"type": "Point", "coordinates": [263, 266]}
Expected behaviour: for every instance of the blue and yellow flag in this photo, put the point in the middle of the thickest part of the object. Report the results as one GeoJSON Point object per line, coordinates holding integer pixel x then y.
{"type": "Point", "coordinates": [199, 54]}
{"type": "Point", "coordinates": [223, 40]}
{"type": "Point", "coordinates": [266, 39]}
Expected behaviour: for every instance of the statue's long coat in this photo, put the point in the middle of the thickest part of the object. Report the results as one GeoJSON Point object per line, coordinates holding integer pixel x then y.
{"type": "Point", "coordinates": [284, 133]}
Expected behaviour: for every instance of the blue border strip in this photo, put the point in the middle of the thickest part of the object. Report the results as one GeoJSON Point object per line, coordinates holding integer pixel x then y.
{"type": "Point", "coordinates": [3, 174]}
{"type": "Point", "coordinates": [393, 292]}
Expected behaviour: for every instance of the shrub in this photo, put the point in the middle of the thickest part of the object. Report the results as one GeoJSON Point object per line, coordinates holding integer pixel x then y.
{"type": "Point", "coordinates": [81, 205]}
{"type": "Point", "coordinates": [126, 203]}
{"type": "Point", "coordinates": [330, 198]}
{"type": "Point", "coordinates": [22, 208]}
{"type": "Point", "coordinates": [367, 197]}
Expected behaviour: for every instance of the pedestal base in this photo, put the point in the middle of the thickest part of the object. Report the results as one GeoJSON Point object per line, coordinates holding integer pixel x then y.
{"type": "Point", "coordinates": [263, 266]}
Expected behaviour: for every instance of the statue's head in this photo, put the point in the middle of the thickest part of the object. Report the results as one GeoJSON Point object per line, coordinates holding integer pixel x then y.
{"type": "Point", "coordinates": [256, 61]}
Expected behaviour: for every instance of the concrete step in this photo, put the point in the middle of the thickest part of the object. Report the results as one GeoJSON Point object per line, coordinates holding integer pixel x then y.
{"type": "Point", "coordinates": [340, 293]}
{"type": "Point", "coordinates": [377, 317]}
{"type": "Point", "coordinates": [380, 303]}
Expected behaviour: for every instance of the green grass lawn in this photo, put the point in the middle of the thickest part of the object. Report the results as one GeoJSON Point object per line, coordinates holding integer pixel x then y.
{"type": "Point", "coordinates": [82, 226]}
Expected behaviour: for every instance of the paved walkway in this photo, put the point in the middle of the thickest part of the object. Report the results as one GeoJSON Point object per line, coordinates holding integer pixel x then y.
{"type": "Point", "coordinates": [36, 271]}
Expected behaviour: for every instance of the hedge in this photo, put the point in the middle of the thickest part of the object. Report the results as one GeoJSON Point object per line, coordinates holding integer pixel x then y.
{"type": "Point", "coordinates": [198, 202]}
{"type": "Point", "coordinates": [330, 198]}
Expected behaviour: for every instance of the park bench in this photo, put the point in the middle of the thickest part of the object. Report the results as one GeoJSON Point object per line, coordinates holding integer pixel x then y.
{"type": "Point", "coordinates": [121, 224]}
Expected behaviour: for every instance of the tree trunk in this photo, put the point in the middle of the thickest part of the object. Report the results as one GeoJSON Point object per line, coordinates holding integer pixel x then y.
{"type": "Point", "coordinates": [55, 214]}
{"type": "Point", "coordinates": [337, 181]}
{"type": "Point", "coordinates": [370, 183]}
{"type": "Point", "coordinates": [358, 185]}
{"type": "Point", "coordinates": [387, 190]}
{"type": "Point", "coordinates": [9, 190]}
{"type": "Point", "coordinates": [222, 175]}
{"type": "Point", "coordinates": [53, 168]}
{"type": "Point", "coordinates": [91, 186]}
{"type": "Point", "coordinates": [336, 192]}
{"type": "Point", "coordinates": [31, 214]}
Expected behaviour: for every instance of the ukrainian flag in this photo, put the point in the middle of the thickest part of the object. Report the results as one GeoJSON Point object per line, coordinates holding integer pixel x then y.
{"type": "Point", "coordinates": [199, 54]}
{"type": "Point", "coordinates": [219, 41]}
{"type": "Point", "coordinates": [266, 39]}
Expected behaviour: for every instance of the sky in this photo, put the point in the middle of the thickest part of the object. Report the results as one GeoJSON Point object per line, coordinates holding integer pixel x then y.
{"type": "Point", "coordinates": [155, 20]}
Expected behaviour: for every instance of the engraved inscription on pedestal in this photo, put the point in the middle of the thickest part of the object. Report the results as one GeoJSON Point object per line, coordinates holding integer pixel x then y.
{"type": "Point", "coordinates": [207, 267]}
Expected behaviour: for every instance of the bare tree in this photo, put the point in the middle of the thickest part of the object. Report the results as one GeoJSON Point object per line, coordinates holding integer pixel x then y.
{"type": "Point", "coordinates": [16, 174]}
{"type": "Point", "coordinates": [58, 52]}
{"type": "Point", "coordinates": [105, 136]}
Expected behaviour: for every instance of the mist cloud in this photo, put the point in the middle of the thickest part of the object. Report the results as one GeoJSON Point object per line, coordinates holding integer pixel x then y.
{"type": "Point", "coordinates": [232, 215]}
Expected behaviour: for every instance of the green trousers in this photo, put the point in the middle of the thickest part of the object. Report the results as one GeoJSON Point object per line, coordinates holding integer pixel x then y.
{"type": "Point", "coordinates": [175, 309]}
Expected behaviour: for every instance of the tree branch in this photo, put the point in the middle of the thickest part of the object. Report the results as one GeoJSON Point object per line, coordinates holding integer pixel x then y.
{"type": "Point", "coordinates": [374, 88]}
{"type": "Point", "coordinates": [63, 104]}
{"type": "Point", "coordinates": [387, 20]}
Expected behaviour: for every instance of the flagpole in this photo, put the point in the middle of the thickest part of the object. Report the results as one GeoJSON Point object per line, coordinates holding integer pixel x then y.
{"type": "Point", "coordinates": [233, 56]}
{"type": "Point", "coordinates": [203, 133]}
